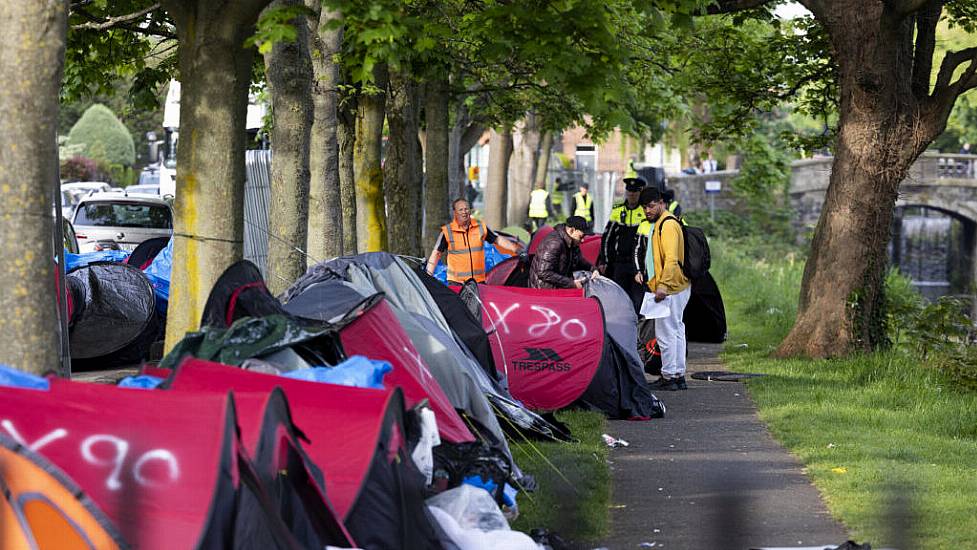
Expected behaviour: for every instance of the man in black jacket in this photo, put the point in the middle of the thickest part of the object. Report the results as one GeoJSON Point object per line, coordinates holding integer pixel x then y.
{"type": "Point", "coordinates": [558, 256]}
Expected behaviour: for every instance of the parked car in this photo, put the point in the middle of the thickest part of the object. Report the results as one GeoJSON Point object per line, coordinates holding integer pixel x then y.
{"type": "Point", "coordinates": [73, 192]}
{"type": "Point", "coordinates": [108, 220]}
{"type": "Point", "coordinates": [143, 189]}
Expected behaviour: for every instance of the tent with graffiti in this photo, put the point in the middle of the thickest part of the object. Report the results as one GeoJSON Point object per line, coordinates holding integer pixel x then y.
{"type": "Point", "coordinates": [176, 474]}
{"type": "Point", "coordinates": [356, 435]}
{"type": "Point", "coordinates": [556, 349]}
{"type": "Point", "coordinates": [464, 380]}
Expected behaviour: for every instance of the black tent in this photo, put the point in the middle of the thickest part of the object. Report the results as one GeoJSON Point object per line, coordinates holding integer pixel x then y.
{"type": "Point", "coordinates": [705, 315]}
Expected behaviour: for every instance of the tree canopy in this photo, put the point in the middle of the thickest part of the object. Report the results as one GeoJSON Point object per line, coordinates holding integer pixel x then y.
{"type": "Point", "coordinates": [101, 136]}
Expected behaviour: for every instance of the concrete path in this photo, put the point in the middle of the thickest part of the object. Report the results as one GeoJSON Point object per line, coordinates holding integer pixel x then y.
{"type": "Point", "coordinates": [710, 476]}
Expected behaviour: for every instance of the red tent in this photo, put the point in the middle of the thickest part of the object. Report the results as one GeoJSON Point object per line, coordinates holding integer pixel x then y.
{"type": "Point", "coordinates": [548, 343]}
{"type": "Point", "coordinates": [590, 247]}
{"type": "Point", "coordinates": [355, 435]}
{"type": "Point", "coordinates": [165, 469]}
{"type": "Point", "coordinates": [376, 333]}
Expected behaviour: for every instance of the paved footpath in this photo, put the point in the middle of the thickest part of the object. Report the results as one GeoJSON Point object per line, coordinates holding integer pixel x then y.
{"type": "Point", "coordinates": [710, 476]}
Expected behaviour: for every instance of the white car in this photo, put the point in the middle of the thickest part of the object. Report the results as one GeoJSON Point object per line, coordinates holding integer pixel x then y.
{"type": "Point", "coordinates": [109, 220]}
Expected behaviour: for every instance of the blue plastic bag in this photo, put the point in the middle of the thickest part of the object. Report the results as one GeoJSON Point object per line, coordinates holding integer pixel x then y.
{"type": "Point", "coordinates": [508, 492]}
{"type": "Point", "coordinates": [357, 371]}
{"type": "Point", "coordinates": [158, 273]}
{"type": "Point", "coordinates": [74, 261]}
{"type": "Point", "coordinates": [493, 257]}
{"type": "Point", "coordinates": [19, 379]}
{"type": "Point", "coordinates": [142, 382]}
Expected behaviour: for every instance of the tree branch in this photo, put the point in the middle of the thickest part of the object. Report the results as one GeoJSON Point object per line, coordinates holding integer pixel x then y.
{"type": "Point", "coordinates": [117, 21]}
{"type": "Point", "coordinates": [951, 61]}
{"type": "Point", "coordinates": [903, 8]}
{"type": "Point", "coordinates": [730, 6]}
{"type": "Point", "coordinates": [926, 22]}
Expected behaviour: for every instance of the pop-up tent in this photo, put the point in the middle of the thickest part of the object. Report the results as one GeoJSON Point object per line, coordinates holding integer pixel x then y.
{"type": "Point", "coordinates": [167, 468]}
{"type": "Point", "coordinates": [590, 247]}
{"type": "Point", "coordinates": [554, 349]}
{"type": "Point", "coordinates": [44, 509]}
{"type": "Point", "coordinates": [354, 325]}
{"type": "Point", "coordinates": [355, 435]}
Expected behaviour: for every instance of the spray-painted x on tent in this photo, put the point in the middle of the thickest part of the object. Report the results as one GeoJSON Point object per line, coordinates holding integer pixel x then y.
{"type": "Point", "coordinates": [170, 475]}
{"type": "Point", "coordinates": [555, 350]}
{"type": "Point", "coordinates": [355, 435]}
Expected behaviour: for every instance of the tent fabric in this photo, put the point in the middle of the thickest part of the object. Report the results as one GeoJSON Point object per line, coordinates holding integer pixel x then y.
{"type": "Point", "coordinates": [556, 351]}
{"type": "Point", "coordinates": [44, 508]}
{"type": "Point", "coordinates": [590, 247]}
{"type": "Point", "coordinates": [143, 255]}
{"type": "Point", "coordinates": [155, 471]}
{"type": "Point", "coordinates": [462, 322]}
{"type": "Point", "coordinates": [705, 314]}
{"type": "Point", "coordinates": [355, 435]}
{"type": "Point", "coordinates": [238, 293]}
{"type": "Point", "coordinates": [451, 362]}
{"type": "Point", "coordinates": [621, 322]}
{"type": "Point", "coordinates": [114, 314]}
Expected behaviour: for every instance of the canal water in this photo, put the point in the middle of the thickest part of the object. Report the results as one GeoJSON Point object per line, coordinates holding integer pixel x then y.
{"type": "Point", "coordinates": [931, 253]}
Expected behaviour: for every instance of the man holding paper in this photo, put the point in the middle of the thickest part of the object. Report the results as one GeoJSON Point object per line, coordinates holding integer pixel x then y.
{"type": "Point", "coordinates": [659, 255]}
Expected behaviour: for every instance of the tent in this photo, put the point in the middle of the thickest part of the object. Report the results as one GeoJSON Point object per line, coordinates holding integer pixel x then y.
{"type": "Point", "coordinates": [555, 350]}
{"type": "Point", "coordinates": [705, 314]}
{"type": "Point", "coordinates": [44, 509]}
{"type": "Point", "coordinates": [170, 475]}
{"type": "Point", "coordinates": [451, 362]}
{"type": "Point", "coordinates": [144, 254]}
{"type": "Point", "coordinates": [355, 435]}
{"type": "Point", "coordinates": [113, 318]}
{"type": "Point", "coordinates": [348, 324]}
{"type": "Point", "coordinates": [590, 247]}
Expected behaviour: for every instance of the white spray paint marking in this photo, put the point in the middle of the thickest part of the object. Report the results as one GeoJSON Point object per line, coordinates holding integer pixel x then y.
{"type": "Point", "coordinates": [53, 435]}
{"type": "Point", "coordinates": [581, 329]}
{"type": "Point", "coordinates": [160, 455]}
{"type": "Point", "coordinates": [416, 356]}
{"type": "Point", "coordinates": [500, 319]}
{"type": "Point", "coordinates": [121, 448]}
{"type": "Point", "coordinates": [550, 319]}
{"type": "Point", "coordinates": [570, 329]}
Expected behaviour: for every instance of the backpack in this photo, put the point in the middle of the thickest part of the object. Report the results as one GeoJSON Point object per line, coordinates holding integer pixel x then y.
{"type": "Point", "coordinates": [697, 257]}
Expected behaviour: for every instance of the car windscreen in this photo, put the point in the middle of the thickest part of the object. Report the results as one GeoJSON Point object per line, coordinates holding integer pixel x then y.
{"type": "Point", "coordinates": [120, 214]}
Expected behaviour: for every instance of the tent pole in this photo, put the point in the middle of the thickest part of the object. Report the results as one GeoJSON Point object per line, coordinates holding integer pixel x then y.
{"type": "Point", "coordinates": [62, 283]}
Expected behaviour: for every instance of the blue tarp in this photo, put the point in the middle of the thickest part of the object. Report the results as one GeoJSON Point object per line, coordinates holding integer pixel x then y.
{"type": "Point", "coordinates": [158, 273]}
{"type": "Point", "coordinates": [357, 371]}
{"type": "Point", "coordinates": [20, 379]}
{"type": "Point", "coordinates": [74, 261]}
{"type": "Point", "coordinates": [143, 382]}
{"type": "Point", "coordinates": [493, 257]}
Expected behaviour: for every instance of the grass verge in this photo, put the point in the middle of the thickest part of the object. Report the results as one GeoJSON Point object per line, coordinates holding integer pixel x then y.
{"type": "Point", "coordinates": [889, 441]}
{"type": "Point", "coordinates": [574, 507]}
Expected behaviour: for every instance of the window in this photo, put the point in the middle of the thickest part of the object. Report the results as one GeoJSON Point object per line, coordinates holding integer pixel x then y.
{"type": "Point", "coordinates": [148, 216]}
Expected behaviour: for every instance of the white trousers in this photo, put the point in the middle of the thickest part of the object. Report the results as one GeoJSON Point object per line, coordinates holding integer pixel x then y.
{"type": "Point", "coordinates": [670, 332]}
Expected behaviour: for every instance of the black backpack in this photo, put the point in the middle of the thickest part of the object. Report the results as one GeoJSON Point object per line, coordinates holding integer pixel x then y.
{"type": "Point", "coordinates": [697, 257]}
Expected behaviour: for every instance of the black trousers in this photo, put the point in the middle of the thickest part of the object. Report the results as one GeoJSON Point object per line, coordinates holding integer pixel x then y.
{"type": "Point", "coordinates": [623, 274]}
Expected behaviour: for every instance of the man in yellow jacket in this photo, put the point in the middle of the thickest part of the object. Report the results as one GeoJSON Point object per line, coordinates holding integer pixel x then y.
{"type": "Point", "coordinates": [659, 255]}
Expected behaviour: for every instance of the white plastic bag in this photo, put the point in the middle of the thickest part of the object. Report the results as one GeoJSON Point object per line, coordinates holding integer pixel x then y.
{"type": "Point", "coordinates": [423, 454]}
{"type": "Point", "coordinates": [472, 507]}
{"type": "Point", "coordinates": [475, 539]}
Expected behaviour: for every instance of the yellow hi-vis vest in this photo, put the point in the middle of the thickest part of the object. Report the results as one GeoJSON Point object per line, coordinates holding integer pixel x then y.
{"type": "Point", "coordinates": [537, 204]}
{"type": "Point", "coordinates": [583, 206]}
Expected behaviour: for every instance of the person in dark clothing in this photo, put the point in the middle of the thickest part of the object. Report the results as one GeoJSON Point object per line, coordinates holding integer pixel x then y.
{"type": "Point", "coordinates": [558, 256]}
{"type": "Point", "coordinates": [616, 258]}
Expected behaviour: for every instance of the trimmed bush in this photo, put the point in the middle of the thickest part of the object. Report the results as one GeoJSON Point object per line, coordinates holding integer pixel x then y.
{"type": "Point", "coordinates": [102, 137]}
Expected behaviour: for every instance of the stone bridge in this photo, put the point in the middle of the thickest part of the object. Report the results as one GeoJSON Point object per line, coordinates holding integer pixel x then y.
{"type": "Point", "coordinates": [943, 182]}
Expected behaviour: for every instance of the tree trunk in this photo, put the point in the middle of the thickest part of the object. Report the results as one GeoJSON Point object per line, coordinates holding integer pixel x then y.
{"type": "Point", "coordinates": [436, 209]}
{"type": "Point", "coordinates": [346, 140]}
{"type": "Point", "coordinates": [543, 164]}
{"type": "Point", "coordinates": [325, 239]}
{"type": "Point", "coordinates": [500, 149]}
{"type": "Point", "coordinates": [371, 217]}
{"type": "Point", "coordinates": [456, 152]}
{"type": "Point", "coordinates": [288, 70]}
{"type": "Point", "coordinates": [400, 167]}
{"type": "Point", "coordinates": [31, 68]}
{"type": "Point", "coordinates": [215, 71]}
{"type": "Point", "coordinates": [525, 145]}
{"type": "Point", "coordinates": [879, 137]}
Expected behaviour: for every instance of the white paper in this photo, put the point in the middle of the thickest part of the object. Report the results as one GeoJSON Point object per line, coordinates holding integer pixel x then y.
{"type": "Point", "coordinates": [650, 309]}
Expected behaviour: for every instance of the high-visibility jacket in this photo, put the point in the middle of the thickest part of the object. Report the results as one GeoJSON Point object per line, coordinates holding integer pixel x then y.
{"type": "Point", "coordinates": [466, 251]}
{"type": "Point", "coordinates": [537, 204]}
{"type": "Point", "coordinates": [583, 204]}
{"type": "Point", "coordinates": [620, 234]}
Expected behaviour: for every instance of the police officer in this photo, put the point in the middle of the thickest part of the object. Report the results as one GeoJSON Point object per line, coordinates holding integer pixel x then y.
{"type": "Point", "coordinates": [583, 206]}
{"type": "Point", "coordinates": [616, 258]}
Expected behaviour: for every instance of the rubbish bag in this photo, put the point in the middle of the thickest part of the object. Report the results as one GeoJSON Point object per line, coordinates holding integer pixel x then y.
{"type": "Point", "coordinates": [472, 507]}
{"type": "Point", "coordinates": [158, 273]}
{"type": "Point", "coordinates": [423, 453]}
{"type": "Point", "coordinates": [357, 371]}
{"type": "Point", "coordinates": [458, 461]}
{"type": "Point", "coordinates": [142, 382]}
{"type": "Point", "coordinates": [74, 261]}
{"type": "Point", "coordinates": [19, 379]}
{"type": "Point", "coordinates": [475, 539]}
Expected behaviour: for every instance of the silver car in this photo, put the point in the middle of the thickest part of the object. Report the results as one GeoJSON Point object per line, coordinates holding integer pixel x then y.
{"type": "Point", "coordinates": [106, 221]}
